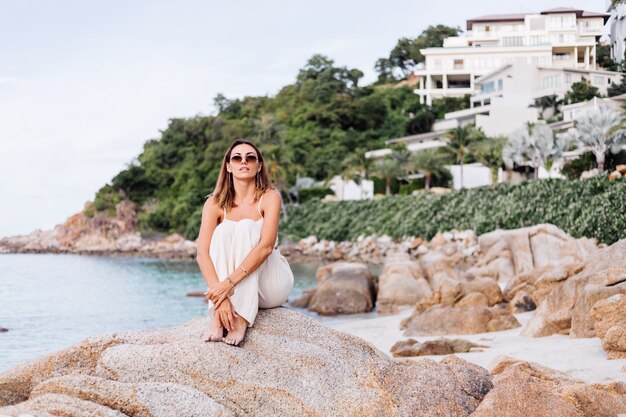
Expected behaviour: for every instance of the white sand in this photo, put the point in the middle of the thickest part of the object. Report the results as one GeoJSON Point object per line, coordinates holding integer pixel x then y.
{"type": "Point", "coordinates": [582, 359]}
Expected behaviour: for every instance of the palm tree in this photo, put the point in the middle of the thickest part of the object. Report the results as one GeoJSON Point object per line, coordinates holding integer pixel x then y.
{"type": "Point", "coordinates": [458, 141]}
{"type": "Point", "coordinates": [489, 153]}
{"type": "Point", "coordinates": [534, 145]}
{"type": "Point", "coordinates": [428, 161]}
{"type": "Point", "coordinates": [356, 165]}
{"type": "Point", "coordinates": [602, 130]}
{"type": "Point", "coordinates": [548, 102]}
{"type": "Point", "coordinates": [387, 168]}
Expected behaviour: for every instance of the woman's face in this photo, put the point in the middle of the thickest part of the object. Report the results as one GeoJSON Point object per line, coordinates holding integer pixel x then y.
{"type": "Point", "coordinates": [241, 164]}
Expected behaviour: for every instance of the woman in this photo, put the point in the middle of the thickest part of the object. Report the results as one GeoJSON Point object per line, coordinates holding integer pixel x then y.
{"type": "Point", "coordinates": [237, 250]}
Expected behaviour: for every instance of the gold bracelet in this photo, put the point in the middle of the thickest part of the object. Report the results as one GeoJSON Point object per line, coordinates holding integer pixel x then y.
{"type": "Point", "coordinates": [244, 269]}
{"type": "Point", "coordinates": [231, 281]}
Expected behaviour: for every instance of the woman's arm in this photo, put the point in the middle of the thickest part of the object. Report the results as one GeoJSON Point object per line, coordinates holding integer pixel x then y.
{"type": "Point", "coordinates": [259, 253]}
{"type": "Point", "coordinates": [210, 215]}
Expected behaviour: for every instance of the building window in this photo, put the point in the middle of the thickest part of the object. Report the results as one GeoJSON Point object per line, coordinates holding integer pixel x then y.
{"type": "Point", "coordinates": [551, 81]}
{"type": "Point", "coordinates": [513, 41]}
{"type": "Point", "coordinates": [538, 40]}
{"type": "Point", "coordinates": [599, 80]}
{"type": "Point", "coordinates": [568, 79]}
{"type": "Point", "coordinates": [561, 56]}
{"type": "Point", "coordinates": [487, 87]}
{"type": "Point", "coordinates": [500, 84]}
{"type": "Point", "coordinates": [537, 23]}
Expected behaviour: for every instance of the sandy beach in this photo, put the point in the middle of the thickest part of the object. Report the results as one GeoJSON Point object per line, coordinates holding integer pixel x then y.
{"type": "Point", "coordinates": [582, 359]}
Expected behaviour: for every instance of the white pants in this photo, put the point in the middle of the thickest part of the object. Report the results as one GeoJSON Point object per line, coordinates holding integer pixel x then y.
{"type": "Point", "coordinates": [267, 286]}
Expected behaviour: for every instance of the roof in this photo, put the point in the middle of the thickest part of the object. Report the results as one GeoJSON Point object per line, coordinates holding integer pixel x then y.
{"type": "Point", "coordinates": [519, 17]}
{"type": "Point", "coordinates": [416, 138]}
{"type": "Point", "coordinates": [492, 73]}
{"type": "Point", "coordinates": [513, 17]}
{"type": "Point", "coordinates": [579, 12]}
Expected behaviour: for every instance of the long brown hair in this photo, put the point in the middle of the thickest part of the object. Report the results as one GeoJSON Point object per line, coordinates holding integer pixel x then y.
{"type": "Point", "coordinates": [224, 193]}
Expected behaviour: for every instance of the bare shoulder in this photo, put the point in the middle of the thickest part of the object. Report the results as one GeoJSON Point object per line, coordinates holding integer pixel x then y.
{"type": "Point", "coordinates": [272, 195]}
{"type": "Point", "coordinates": [210, 206]}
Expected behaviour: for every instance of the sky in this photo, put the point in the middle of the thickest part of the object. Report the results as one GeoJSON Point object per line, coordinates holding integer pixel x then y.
{"type": "Point", "coordinates": [83, 84]}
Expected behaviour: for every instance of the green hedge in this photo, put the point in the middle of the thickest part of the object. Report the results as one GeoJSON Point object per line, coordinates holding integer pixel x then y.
{"type": "Point", "coordinates": [593, 208]}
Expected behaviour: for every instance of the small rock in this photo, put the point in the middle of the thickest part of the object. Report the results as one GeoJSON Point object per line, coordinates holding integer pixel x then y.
{"type": "Point", "coordinates": [440, 346]}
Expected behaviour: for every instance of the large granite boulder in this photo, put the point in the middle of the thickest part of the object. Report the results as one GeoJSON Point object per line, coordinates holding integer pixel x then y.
{"type": "Point", "coordinates": [401, 283]}
{"type": "Point", "coordinates": [443, 320]}
{"type": "Point", "coordinates": [343, 288]}
{"type": "Point", "coordinates": [439, 267]}
{"type": "Point", "coordinates": [609, 322]}
{"type": "Point", "coordinates": [480, 291]}
{"type": "Point", "coordinates": [288, 365]}
{"type": "Point", "coordinates": [523, 389]}
{"type": "Point", "coordinates": [540, 282]}
{"type": "Point", "coordinates": [605, 271]}
{"type": "Point", "coordinates": [507, 253]}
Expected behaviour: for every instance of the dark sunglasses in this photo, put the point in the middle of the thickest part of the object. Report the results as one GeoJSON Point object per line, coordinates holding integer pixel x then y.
{"type": "Point", "coordinates": [237, 158]}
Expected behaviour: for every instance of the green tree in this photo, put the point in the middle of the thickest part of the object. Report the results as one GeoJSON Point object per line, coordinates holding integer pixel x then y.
{"type": "Point", "coordinates": [603, 58]}
{"type": "Point", "coordinates": [549, 102]}
{"type": "Point", "coordinates": [387, 168]}
{"type": "Point", "coordinates": [581, 91]}
{"type": "Point", "coordinates": [429, 162]}
{"type": "Point", "coordinates": [458, 141]}
{"type": "Point", "coordinates": [406, 53]}
{"type": "Point", "coordinates": [444, 105]}
{"type": "Point", "coordinates": [488, 152]}
{"type": "Point", "coordinates": [355, 166]}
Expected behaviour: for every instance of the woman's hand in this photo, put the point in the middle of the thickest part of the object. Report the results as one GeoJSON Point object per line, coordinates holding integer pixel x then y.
{"type": "Point", "coordinates": [219, 292]}
{"type": "Point", "coordinates": [226, 314]}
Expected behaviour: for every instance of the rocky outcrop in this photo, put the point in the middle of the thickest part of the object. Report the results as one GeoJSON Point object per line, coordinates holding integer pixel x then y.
{"type": "Point", "coordinates": [442, 320]}
{"type": "Point", "coordinates": [507, 253]}
{"type": "Point", "coordinates": [609, 322]}
{"type": "Point", "coordinates": [101, 233]}
{"type": "Point", "coordinates": [288, 365]}
{"type": "Point", "coordinates": [566, 308]}
{"type": "Point", "coordinates": [523, 389]}
{"type": "Point", "coordinates": [343, 288]}
{"type": "Point", "coordinates": [412, 347]}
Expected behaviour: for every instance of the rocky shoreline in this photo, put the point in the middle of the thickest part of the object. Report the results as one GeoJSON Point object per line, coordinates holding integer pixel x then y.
{"type": "Point", "coordinates": [117, 236]}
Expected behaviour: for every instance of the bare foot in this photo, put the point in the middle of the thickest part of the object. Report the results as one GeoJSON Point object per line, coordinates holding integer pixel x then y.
{"type": "Point", "coordinates": [235, 336]}
{"type": "Point", "coordinates": [215, 333]}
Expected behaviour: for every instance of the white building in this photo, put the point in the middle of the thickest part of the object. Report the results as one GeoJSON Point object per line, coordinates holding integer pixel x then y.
{"type": "Point", "coordinates": [617, 23]}
{"type": "Point", "coordinates": [556, 38]}
{"type": "Point", "coordinates": [504, 97]}
{"type": "Point", "coordinates": [350, 190]}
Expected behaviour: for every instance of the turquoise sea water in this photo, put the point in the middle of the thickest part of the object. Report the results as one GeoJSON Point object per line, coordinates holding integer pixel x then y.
{"type": "Point", "coordinates": [50, 301]}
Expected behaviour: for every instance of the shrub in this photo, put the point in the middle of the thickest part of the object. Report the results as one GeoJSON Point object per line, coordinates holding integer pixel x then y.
{"type": "Point", "coordinates": [313, 193]}
{"type": "Point", "coordinates": [592, 208]}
